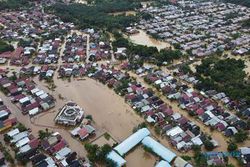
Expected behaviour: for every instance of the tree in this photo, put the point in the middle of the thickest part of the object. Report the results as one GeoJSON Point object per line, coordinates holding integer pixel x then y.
{"type": "Point", "coordinates": [208, 145]}
{"type": "Point", "coordinates": [21, 127]}
{"type": "Point", "coordinates": [43, 134]}
{"type": "Point", "coordinates": [240, 137]}
{"type": "Point", "coordinates": [4, 47]}
{"type": "Point", "coordinates": [232, 147]}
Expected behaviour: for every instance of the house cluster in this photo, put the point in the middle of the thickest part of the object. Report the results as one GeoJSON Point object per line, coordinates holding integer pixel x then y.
{"type": "Point", "coordinates": [28, 27]}
{"type": "Point", "coordinates": [58, 148]}
{"type": "Point", "coordinates": [98, 48]}
{"type": "Point", "coordinates": [70, 114]}
{"type": "Point", "coordinates": [220, 97]}
{"type": "Point", "coordinates": [27, 96]}
{"type": "Point", "coordinates": [200, 28]}
{"type": "Point", "coordinates": [75, 48]}
{"type": "Point", "coordinates": [197, 103]}
{"type": "Point", "coordinates": [45, 72]}
{"type": "Point", "coordinates": [6, 122]}
{"type": "Point", "coordinates": [48, 52]}
{"type": "Point", "coordinates": [25, 144]}
{"type": "Point", "coordinates": [32, 23]}
{"type": "Point", "coordinates": [75, 70]}
{"type": "Point", "coordinates": [50, 151]}
{"type": "Point", "coordinates": [16, 57]}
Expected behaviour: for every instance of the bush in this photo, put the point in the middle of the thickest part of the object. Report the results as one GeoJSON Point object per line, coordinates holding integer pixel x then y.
{"type": "Point", "coordinates": [232, 147]}
{"type": "Point", "coordinates": [186, 157]}
{"type": "Point", "coordinates": [208, 145]}
{"type": "Point", "coordinates": [21, 127]}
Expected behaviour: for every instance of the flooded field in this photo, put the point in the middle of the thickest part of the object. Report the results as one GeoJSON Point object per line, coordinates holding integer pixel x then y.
{"type": "Point", "coordinates": [127, 13]}
{"type": "Point", "coordinates": [138, 157]}
{"type": "Point", "coordinates": [102, 140]}
{"type": "Point", "coordinates": [143, 38]}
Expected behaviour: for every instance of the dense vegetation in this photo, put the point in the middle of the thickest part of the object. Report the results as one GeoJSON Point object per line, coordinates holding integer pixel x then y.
{"type": "Point", "coordinates": [146, 53]}
{"type": "Point", "coordinates": [224, 76]}
{"type": "Point", "coordinates": [239, 2]}
{"type": "Point", "coordinates": [4, 47]}
{"type": "Point", "coordinates": [246, 23]}
{"type": "Point", "coordinates": [98, 154]}
{"type": "Point", "coordinates": [98, 14]}
{"type": "Point", "coordinates": [13, 4]}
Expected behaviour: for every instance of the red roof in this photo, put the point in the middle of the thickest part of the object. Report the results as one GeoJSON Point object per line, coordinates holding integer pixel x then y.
{"type": "Point", "coordinates": [34, 143]}
{"type": "Point", "coordinates": [6, 55]}
{"type": "Point", "coordinates": [17, 52]}
{"type": "Point", "coordinates": [168, 111]}
{"type": "Point", "coordinates": [58, 146]}
{"type": "Point", "coordinates": [200, 111]}
{"type": "Point", "coordinates": [11, 120]}
{"type": "Point", "coordinates": [83, 133]}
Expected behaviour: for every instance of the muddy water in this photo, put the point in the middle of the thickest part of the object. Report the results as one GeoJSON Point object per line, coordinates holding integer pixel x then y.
{"type": "Point", "coordinates": [127, 13]}
{"type": "Point", "coordinates": [138, 157]}
{"type": "Point", "coordinates": [142, 38]}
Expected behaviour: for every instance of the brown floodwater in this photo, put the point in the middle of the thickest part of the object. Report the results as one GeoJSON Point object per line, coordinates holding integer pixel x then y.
{"type": "Point", "coordinates": [127, 13]}
{"type": "Point", "coordinates": [142, 38]}
{"type": "Point", "coordinates": [140, 158]}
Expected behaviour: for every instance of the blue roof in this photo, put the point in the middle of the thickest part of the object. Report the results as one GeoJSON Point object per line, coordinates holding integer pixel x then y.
{"type": "Point", "coordinates": [159, 149]}
{"type": "Point", "coordinates": [116, 158]}
{"type": "Point", "coordinates": [163, 164]}
{"type": "Point", "coordinates": [132, 141]}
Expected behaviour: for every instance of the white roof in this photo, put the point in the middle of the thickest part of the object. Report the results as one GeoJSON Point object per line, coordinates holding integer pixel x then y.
{"type": "Point", "coordinates": [132, 141]}
{"type": "Point", "coordinates": [197, 141]}
{"type": "Point", "coordinates": [145, 108]}
{"type": "Point", "coordinates": [23, 100]}
{"type": "Point", "coordinates": [163, 164]}
{"type": "Point", "coordinates": [63, 153]}
{"type": "Point", "coordinates": [244, 150]}
{"type": "Point", "coordinates": [22, 142]}
{"type": "Point", "coordinates": [13, 132]}
{"type": "Point", "coordinates": [3, 113]}
{"type": "Point", "coordinates": [34, 111]}
{"type": "Point", "coordinates": [39, 93]}
{"type": "Point", "coordinates": [75, 131]}
{"type": "Point", "coordinates": [19, 136]}
{"type": "Point", "coordinates": [116, 158]}
{"type": "Point", "coordinates": [43, 96]}
{"type": "Point", "coordinates": [50, 162]}
{"type": "Point", "coordinates": [174, 131]}
{"type": "Point", "coordinates": [33, 91]}
{"type": "Point", "coordinates": [159, 149]}
{"type": "Point", "coordinates": [25, 148]}
{"type": "Point", "coordinates": [179, 162]}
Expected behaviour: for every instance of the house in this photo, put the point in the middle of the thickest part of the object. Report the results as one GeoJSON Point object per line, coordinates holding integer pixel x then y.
{"type": "Point", "coordinates": [245, 155]}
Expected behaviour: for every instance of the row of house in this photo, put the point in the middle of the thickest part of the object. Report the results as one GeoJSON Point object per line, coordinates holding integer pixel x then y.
{"type": "Point", "coordinates": [196, 103]}
{"type": "Point", "coordinates": [28, 97]}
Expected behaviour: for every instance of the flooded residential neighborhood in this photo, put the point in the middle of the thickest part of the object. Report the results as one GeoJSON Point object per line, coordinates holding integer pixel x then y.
{"type": "Point", "coordinates": [124, 83]}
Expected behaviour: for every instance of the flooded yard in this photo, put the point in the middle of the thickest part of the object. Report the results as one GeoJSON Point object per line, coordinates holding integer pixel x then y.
{"type": "Point", "coordinates": [138, 157]}
{"type": "Point", "coordinates": [142, 38]}
{"type": "Point", "coordinates": [126, 13]}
